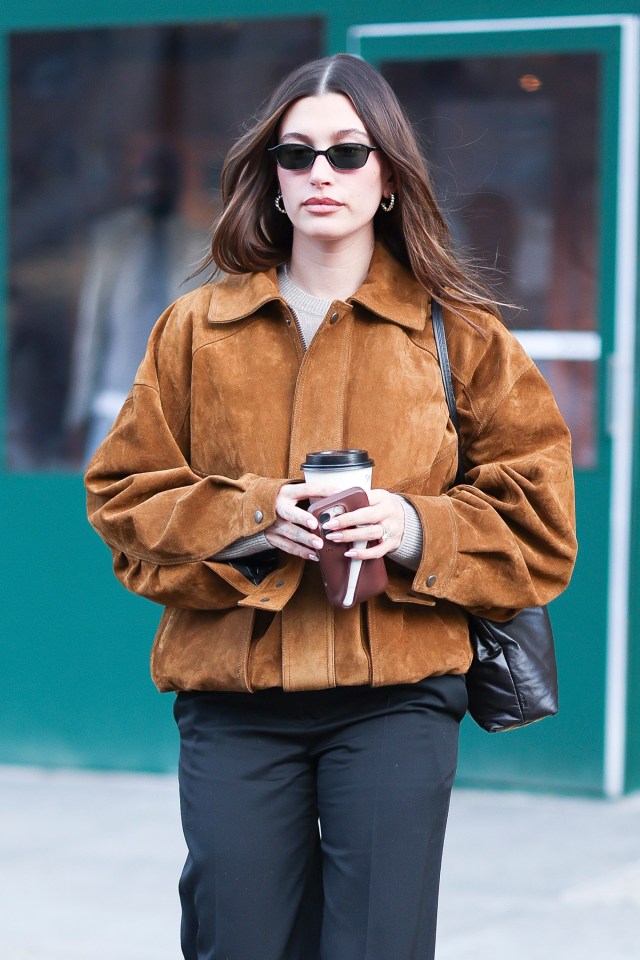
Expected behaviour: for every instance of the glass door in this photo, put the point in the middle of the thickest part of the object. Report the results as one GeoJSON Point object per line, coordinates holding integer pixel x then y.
{"type": "Point", "coordinates": [524, 125]}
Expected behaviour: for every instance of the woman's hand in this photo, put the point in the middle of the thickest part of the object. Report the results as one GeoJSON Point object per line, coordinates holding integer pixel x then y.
{"type": "Point", "coordinates": [382, 520]}
{"type": "Point", "coordinates": [293, 530]}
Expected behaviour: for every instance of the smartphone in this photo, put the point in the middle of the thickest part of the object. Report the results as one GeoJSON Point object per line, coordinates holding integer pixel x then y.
{"type": "Point", "coordinates": [347, 580]}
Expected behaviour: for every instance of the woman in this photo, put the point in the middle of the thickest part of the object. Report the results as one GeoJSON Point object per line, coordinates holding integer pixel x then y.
{"type": "Point", "coordinates": [290, 711]}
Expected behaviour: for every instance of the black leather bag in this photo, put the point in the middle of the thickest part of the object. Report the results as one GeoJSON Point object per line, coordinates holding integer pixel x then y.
{"type": "Point", "coordinates": [513, 678]}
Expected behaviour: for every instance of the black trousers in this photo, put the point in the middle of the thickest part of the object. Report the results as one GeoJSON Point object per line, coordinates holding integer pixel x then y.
{"type": "Point", "coordinates": [258, 773]}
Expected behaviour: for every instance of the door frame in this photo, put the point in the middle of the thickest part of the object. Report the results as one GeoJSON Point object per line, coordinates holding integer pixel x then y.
{"type": "Point", "coordinates": [620, 375]}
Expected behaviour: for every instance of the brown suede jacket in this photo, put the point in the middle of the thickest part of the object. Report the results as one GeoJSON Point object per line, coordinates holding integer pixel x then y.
{"type": "Point", "coordinates": [226, 404]}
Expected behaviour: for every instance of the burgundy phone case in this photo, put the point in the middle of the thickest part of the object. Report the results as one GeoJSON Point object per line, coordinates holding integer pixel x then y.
{"type": "Point", "coordinates": [335, 567]}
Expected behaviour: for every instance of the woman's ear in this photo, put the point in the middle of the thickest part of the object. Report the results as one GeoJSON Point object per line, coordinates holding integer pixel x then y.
{"type": "Point", "coordinates": [389, 181]}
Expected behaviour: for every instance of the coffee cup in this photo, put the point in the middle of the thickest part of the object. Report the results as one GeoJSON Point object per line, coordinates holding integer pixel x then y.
{"type": "Point", "coordinates": [345, 469]}
{"type": "Point", "coordinates": [342, 468]}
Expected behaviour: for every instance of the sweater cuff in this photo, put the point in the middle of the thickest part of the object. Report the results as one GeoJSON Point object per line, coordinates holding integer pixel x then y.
{"type": "Point", "coordinates": [244, 547]}
{"type": "Point", "coordinates": [409, 553]}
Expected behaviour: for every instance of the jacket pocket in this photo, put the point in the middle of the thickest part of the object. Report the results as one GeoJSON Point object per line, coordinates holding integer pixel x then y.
{"type": "Point", "coordinates": [203, 649]}
{"type": "Point", "coordinates": [409, 642]}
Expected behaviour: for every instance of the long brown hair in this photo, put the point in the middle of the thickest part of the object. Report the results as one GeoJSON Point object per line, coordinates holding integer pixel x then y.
{"type": "Point", "coordinates": [251, 235]}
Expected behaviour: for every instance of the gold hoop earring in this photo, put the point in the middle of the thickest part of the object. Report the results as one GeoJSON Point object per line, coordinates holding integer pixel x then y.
{"type": "Point", "coordinates": [279, 203]}
{"type": "Point", "coordinates": [390, 205]}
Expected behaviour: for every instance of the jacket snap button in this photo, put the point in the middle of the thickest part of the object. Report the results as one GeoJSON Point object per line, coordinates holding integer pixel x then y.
{"type": "Point", "coordinates": [431, 580]}
{"type": "Point", "coordinates": [258, 516]}
{"type": "Point", "coordinates": [334, 316]}
{"type": "Point", "coordinates": [280, 583]}
{"type": "Point", "coordinates": [287, 320]}
{"type": "Point", "coordinates": [264, 599]}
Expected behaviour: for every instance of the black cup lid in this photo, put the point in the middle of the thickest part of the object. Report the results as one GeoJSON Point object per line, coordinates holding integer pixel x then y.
{"type": "Point", "coordinates": [334, 459]}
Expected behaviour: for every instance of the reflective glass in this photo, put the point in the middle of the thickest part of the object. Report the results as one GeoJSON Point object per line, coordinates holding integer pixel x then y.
{"type": "Point", "coordinates": [513, 143]}
{"type": "Point", "coordinates": [116, 142]}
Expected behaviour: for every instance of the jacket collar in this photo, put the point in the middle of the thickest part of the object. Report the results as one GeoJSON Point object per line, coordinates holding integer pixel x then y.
{"type": "Point", "coordinates": [392, 292]}
{"type": "Point", "coordinates": [389, 290]}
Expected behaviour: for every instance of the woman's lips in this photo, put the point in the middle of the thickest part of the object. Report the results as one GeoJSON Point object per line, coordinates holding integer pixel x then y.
{"type": "Point", "coordinates": [321, 204]}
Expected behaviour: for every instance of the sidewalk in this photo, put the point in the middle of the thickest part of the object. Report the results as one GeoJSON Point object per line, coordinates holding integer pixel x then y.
{"type": "Point", "coordinates": [89, 866]}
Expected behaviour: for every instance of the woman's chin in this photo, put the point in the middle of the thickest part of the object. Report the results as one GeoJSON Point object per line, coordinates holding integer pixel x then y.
{"type": "Point", "coordinates": [326, 232]}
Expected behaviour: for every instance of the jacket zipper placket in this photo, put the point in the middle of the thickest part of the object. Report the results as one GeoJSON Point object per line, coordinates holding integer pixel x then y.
{"type": "Point", "coordinates": [296, 324]}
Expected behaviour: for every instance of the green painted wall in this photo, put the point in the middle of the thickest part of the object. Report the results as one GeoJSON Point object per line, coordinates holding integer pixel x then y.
{"type": "Point", "coordinates": [74, 646]}
{"type": "Point", "coordinates": [633, 673]}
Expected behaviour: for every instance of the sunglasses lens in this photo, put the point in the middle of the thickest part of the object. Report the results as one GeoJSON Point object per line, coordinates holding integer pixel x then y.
{"type": "Point", "coordinates": [294, 156]}
{"type": "Point", "coordinates": [348, 156]}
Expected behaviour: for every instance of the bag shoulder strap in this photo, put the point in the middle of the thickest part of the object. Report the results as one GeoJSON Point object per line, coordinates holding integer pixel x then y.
{"type": "Point", "coordinates": [440, 335]}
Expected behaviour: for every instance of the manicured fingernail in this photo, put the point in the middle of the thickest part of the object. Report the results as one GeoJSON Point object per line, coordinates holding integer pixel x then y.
{"type": "Point", "coordinates": [350, 553]}
{"type": "Point", "coordinates": [312, 523]}
{"type": "Point", "coordinates": [334, 536]}
{"type": "Point", "coordinates": [330, 525]}
{"type": "Point", "coordinates": [317, 543]}
{"type": "Point", "coordinates": [312, 556]}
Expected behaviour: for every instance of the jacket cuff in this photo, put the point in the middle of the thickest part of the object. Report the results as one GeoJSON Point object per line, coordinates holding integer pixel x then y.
{"type": "Point", "coordinates": [259, 505]}
{"type": "Point", "coordinates": [440, 545]}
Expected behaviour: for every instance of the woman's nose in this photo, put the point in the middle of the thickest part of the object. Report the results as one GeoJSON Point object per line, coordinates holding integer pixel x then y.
{"type": "Point", "coordinates": [321, 171]}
